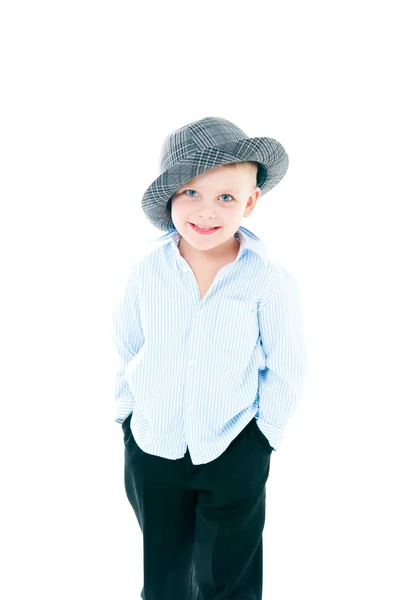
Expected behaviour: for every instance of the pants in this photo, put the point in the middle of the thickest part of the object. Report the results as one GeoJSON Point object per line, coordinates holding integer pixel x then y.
{"type": "Point", "coordinates": [202, 524]}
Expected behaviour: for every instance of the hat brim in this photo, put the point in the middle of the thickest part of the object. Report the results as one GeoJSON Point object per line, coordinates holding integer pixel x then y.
{"type": "Point", "coordinates": [269, 153]}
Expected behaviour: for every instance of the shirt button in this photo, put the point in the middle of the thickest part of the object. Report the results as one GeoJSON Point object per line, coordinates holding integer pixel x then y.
{"type": "Point", "coordinates": [192, 362]}
{"type": "Point", "coordinates": [189, 409]}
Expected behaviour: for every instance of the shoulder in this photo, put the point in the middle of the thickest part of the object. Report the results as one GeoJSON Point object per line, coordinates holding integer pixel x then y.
{"type": "Point", "coordinates": [277, 282]}
{"type": "Point", "coordinates": [147, 267]}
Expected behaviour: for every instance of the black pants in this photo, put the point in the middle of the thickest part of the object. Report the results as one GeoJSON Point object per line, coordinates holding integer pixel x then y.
{"type": "Point", "coordinates": [202, 524]}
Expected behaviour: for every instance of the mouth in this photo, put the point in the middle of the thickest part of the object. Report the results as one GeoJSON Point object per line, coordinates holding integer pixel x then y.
{"type": "Point", "coordinates": [204, 231]}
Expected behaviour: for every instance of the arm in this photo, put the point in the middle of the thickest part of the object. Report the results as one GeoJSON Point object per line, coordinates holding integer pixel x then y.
{"type": "Point", "coordinates": [281, 331]}
{"type": "Point", "coordinates": [128, 337]}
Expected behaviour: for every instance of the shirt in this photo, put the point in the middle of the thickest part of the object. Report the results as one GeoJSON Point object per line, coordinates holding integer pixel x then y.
{"type": "Point", "coordinates": [194, 372]}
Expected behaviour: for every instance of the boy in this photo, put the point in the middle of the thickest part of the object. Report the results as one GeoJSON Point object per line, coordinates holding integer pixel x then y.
{"type": "Point", "coordinates": [212, 355]}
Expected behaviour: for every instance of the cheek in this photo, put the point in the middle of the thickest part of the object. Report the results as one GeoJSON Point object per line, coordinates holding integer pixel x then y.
{"type": "Point", "coordinates": [181, 206]}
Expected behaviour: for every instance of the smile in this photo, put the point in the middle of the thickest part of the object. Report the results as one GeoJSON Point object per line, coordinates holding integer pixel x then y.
{"type": "Point", "coordinates": [204, 231]}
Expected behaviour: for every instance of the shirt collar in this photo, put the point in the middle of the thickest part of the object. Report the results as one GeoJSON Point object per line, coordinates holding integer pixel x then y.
{"type": "Point", "coordinates": [248, 241]}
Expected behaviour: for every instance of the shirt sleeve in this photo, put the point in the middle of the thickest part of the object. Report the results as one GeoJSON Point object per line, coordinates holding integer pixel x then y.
{"type": "Point", "coordinates": [127, 337]}
{"type": "Point", "coordinates": [282, 337]}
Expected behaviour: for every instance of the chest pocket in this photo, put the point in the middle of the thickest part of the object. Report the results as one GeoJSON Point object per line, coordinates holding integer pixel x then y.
{"type": "Point", "coordinates": [237, 327]}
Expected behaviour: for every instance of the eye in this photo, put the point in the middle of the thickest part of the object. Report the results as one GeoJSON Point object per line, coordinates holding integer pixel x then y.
{"type": "Point", "coordinates": [185, 191]}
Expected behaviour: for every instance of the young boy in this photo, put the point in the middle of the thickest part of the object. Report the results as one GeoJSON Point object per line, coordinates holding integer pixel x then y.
{"type": "Point", "coordinates": [210, 340]}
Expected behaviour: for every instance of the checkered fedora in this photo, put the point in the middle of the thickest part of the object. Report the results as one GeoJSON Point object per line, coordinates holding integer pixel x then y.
{"type": "Point", "coordinates": [202, 145]}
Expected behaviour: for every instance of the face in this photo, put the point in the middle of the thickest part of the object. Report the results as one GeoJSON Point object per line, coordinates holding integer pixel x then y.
{"type": "Point", "coordinates": [219, 197]}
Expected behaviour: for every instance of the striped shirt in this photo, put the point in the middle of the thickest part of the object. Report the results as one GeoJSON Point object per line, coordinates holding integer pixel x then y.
{"type": "Point", "coordinates": [193, 372]}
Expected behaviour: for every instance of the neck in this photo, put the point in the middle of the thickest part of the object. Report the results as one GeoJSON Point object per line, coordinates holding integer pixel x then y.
{"type": "Point", "coordinates": [220, 253]}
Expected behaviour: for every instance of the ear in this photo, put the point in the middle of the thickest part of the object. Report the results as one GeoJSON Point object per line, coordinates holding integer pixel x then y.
{"type": "Point", "coordinates": [252, 201]}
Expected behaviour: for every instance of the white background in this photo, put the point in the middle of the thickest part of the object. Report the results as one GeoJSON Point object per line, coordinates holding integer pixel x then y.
{"type": "Point", "coordinates": [89, 90]}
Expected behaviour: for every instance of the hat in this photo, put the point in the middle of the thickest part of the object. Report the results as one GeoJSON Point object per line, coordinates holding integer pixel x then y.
{"type": "Point", "coordinates": [203, 145]}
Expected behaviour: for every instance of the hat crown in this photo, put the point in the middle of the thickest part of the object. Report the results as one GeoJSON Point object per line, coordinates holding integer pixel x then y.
{"type": "Point", "coordinates": [197, 136]}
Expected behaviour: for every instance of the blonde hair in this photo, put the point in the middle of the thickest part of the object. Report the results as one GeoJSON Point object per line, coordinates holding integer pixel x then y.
{"type": "Point", "coordinates": [251, 166]}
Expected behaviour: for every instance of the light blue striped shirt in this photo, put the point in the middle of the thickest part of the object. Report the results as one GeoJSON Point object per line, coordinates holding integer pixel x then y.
{"type": "Point", "coordinates": [194, 372]}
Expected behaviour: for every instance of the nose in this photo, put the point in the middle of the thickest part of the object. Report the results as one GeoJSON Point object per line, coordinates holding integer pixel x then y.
{"type": "Point", "coordinates": [206, 211]}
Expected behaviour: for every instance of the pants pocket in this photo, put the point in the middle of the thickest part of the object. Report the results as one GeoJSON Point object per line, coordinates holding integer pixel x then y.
{"type": "Point", "coordinates": [126, 428]}
{"type": "Point", "coordinates": [260, 436]}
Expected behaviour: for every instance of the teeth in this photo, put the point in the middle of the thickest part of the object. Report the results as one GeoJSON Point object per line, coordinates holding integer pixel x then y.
{"type": "Point", "coordinates": [200, 227]}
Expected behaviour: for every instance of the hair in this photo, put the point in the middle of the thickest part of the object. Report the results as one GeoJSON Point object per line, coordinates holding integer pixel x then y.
{"type": "Point", "coordinates": [253, 170]}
